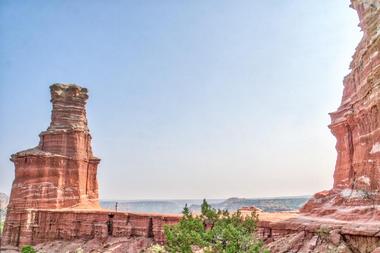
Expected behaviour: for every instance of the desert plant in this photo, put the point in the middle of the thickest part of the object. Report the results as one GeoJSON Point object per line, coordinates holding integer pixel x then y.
{"type": "Point", "coordinates": [214, 231]}
{"type": "Point", "coordinates": [323, 233]}
{"type": "Point", "coordinates": [28, 249]}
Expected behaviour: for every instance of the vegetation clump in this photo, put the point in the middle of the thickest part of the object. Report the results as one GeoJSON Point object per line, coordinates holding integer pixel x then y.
{"type": "Point", "coordinates": [323, 233]}
{"type": "Point", "coordinates": [28, 249]}
{"type": "Point", "coordinates": [213, 231]}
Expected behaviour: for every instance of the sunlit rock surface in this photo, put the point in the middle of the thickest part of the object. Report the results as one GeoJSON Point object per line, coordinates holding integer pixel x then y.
{"type": "Point", "coordinates": [347, 217]}
{"type": "Point", "coordinates": [55, 192]}
{"type": "Point", "coordinates": [356, 126]}
{"type": "Point", "coordinates": [61, 170]}
{"type": "Point", "coordinates": [56, 181]}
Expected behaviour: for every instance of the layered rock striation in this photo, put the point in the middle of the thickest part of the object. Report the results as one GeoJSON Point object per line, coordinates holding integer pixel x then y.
{"type": "Point", "coordinates": [347, 217]}
{"type": "Point", "coordinates": [55, 191]}
{"type": "Point", "coordinates": [61, 171]}
{"type": "Point", "coordinates": [356, 126]}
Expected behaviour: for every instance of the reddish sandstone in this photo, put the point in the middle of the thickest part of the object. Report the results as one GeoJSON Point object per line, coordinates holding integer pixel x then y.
{"type": "Point", "coordinates": [57, 178]}
{"type": "Point", "coordinates": [61, 170]}
{"type": "Point", "coordinates": [55, 192]}
{"type": "Point", "coordinates": [356, 126]}
{"type": "Point", "coordinates": [347, 217]}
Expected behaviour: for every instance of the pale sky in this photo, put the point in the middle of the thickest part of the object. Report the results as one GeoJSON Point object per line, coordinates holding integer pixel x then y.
{"type": "Point", "coordinates": [188, 99]}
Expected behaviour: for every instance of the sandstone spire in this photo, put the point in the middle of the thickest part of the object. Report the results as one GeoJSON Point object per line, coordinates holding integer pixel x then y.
{"type": "Point", "coordinates": [55, 192]}
{"type": "Point", "coordinates": [61, 170]}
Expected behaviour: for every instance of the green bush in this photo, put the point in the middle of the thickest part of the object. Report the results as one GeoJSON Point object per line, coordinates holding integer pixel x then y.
{"type": "Point", "coordinates": [214, 231]}
{"type": "Point", "coordinates": [28, 249]}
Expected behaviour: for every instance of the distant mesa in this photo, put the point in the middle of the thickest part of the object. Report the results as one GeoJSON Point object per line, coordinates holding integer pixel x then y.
{"type": "Point", "coordinates": [233, 204]}
{"type": "Point", "coordinates": [282, 204]}
{"type": "Point", "coordinates": [249, 209]}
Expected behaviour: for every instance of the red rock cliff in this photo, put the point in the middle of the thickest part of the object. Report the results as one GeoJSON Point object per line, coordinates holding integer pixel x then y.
{"type": "Point", "coordinates": [356, 126]}
{"type": "Point", "coordinates": [61, 171]}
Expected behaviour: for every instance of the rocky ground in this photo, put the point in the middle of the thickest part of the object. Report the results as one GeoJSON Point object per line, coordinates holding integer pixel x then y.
{"type": "Point", "coordinates": [112, 244]}
{"type": "Point", "coordinates": [333, 242]}
{"type": "Point", "coordinates": [299, 233]}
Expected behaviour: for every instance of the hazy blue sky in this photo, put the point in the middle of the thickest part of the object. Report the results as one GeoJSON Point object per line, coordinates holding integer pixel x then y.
{"type": "Point", "coordinates": [188, 99]}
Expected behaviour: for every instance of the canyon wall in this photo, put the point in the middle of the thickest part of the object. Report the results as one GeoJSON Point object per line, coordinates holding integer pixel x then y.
{"type": "Point", "coordinates": [356, 126]}
{"type": "Point", "coordinates": [347, 217]}
{"type": "Point", "coordinates": [44, 225]}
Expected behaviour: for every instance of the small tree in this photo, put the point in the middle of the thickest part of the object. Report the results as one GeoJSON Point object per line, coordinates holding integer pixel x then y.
{"type": "Point", "coordinates": [213, 231]}
{"type": "Point", "coordinates": [188, 232]}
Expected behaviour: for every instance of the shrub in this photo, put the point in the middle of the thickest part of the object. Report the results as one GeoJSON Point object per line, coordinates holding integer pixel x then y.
{"type": "Point", "coordinates": [28, 249]}
{"type": "Point", "coordinates": [214, 231]}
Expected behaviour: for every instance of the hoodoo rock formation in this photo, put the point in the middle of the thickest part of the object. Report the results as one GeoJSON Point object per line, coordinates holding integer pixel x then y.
{"type": "Point", "coordinates": [61, 171]}
{"type": "Point", "coordinates": [356, 126]}
{"type": "Point", "coordinates": [55, 192]}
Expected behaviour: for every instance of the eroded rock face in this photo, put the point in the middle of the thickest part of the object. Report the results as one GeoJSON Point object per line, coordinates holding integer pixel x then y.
{"type": "Point", "coordinates": [61, 171]}
{"type": "Point", "coordinates": [347, 217]}
{"type": "Point", "coordinates": [311, 234]}
{"type": "Point", "coordinates": [356, 126]}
